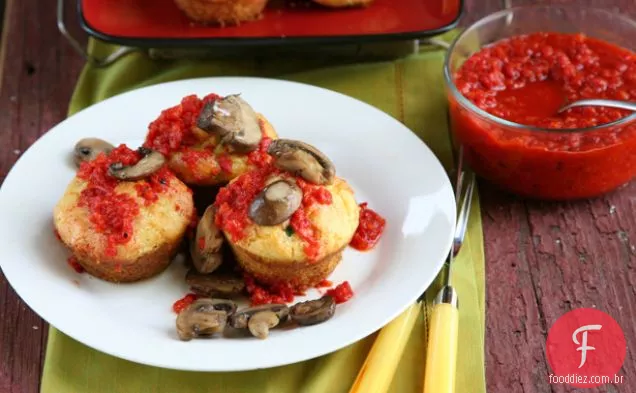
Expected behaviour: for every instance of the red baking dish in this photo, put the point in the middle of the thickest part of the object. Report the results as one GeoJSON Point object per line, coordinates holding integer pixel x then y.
{"type": "Point", "coordinates": [159, 23]}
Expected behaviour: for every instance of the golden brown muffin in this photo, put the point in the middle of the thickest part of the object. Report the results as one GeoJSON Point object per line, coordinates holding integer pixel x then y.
{"type": "Point", "coordinates": [124, 215]}
{"type": "Point", "coordinates": [289, 222]}
{"type": "Point", "coordinates": [222, 12]}
{"type": "Point", "coordinates": [343, 3]}
{"type": "Point", "coordinates": [212, 140]}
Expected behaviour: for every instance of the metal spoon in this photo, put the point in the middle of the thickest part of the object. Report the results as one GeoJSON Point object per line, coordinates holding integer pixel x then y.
{"type": "Point", "coordinates": [630, 106]}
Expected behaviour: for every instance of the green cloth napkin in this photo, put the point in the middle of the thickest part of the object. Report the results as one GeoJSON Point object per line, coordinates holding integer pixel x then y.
{"type": "Point", "coordinates": [412, 90]}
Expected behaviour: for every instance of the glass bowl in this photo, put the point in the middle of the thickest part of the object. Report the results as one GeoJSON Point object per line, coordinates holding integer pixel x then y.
{"type": "Point", "coordinates": [578, 158]}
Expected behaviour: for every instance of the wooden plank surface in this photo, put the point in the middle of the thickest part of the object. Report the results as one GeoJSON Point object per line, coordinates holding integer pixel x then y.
{"type": "Point", "coordinates": [543, 259]}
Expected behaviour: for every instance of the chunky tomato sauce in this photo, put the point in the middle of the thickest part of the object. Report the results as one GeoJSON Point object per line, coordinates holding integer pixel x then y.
{"type": "Point", "coordinates": [111, 213]}
{"type": "Point", "coordinates": [526, 79]}
{"type": "Point", "coordinates": [174, 126]}
{"type": "Point", "coordinates": [341, 293]}
{"type": "Point", "coordinates": [270, 294]}
{"type": "Point", "coordinates": [324, 284]}
{"type": "Point", "coordinates": [369, 231]}
{"type": "Point", "coordinates": [173, 132]}
{"type": "Point", "coordinates": [259, 157]}
{"type": "Point", "coordinates": [184, 302]}
{"type": "Point", "coordinates": [225, 162]}
{"type": "Point", "coordinates": [193, 158]}
{"type": "Point", "coordinates": [233, 201]}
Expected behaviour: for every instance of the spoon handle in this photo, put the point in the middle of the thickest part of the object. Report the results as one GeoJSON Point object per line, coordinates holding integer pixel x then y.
{"type": "Point", "coordinates": [630, 106]}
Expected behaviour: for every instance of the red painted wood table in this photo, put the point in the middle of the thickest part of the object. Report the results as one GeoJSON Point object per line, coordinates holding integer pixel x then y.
{"type": "Point", "coordinates": [543, 259]}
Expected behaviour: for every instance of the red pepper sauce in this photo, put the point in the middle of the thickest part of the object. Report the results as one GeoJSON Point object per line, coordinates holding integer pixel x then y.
{"type": "Point", "coordinates": [72, 262]}
{"type": "Point", "coordinates": [193, 157]}
{"type": "Point", "coordinates": [173, 132]}
{"type": "Point", "coordinates": [269, 294]}
{"type": "Point", "coordinates": [370, 229]}
{"type": "Point", "coordinates": [233, 202]}
{"type": "Point", "coordinates": [525, 79]}
{"type": "Point", "coordinates": [112, 214]}
{"type": "Point", "coordinates": [259, 157]}
{"type": "Point", "coordinates": [173, 128]}
{"type": "Point", "coordinates": [303, 227]}
{"type": "Point", "coordinates": [225, 163]}
{"type": "Point", "coordinates": [184, 302]}
{"type": "Point", "coordinates": [341, 293]}
{"type": "Point", "coordinates": [324, 284]}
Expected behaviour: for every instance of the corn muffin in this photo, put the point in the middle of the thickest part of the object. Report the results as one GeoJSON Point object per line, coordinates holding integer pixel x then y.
{"type": "Point", "coordinates": [290, 221]}
{"type": "Point", "coordinates": [222, 12]}
{"type": "Point", "coordinates": [212, 140]}
{"type": "Point", "coordinates": [124, 214]}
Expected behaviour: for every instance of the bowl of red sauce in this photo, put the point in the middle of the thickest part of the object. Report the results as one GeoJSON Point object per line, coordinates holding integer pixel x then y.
{"type": "Point", "coordinates": [508, 74]}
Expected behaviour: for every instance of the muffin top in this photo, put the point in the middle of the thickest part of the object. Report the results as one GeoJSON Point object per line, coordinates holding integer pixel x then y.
{"type": "Point", "coordinates": [122, 205]}
{"type": "Point", "coordinates": [211, 140]}
{"type": "Point", "coordinates": [289, 210]}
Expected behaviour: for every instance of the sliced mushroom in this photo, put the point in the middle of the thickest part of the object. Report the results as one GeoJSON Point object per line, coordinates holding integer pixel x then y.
{"type": "Point", "coordinates": [203, 318]}
{"type": "Point", "coordinates": [145, 167]}
{"type": "Point", "coordinates": [234, 120]}
{"type": "Point", "coordinates": [302, 159]}
{"type": "Point", "coordinates": [260, 323]}
{"type": "Point", "coordinates": [276, 203]}
{"type": "Point", "coordinates": [205, 248]}
{"type": "Point", "coordinates": [220, 305]}
{"type": "Point", "coordinates": [239, 320]}
{"type": "Point", "coordinates": [215, 285]}
{"type": "Point", "coordinates": [313, 312]}
{"type": "Point", "coordinates": [88, 149]}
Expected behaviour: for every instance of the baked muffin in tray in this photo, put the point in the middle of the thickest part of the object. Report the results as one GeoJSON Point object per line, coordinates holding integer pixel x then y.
{"type": "Point", "coordinates": [124, 215]}
{"type": "Point", "coordinates": [344, 3]}
{"type": "Point", "coordinates": [211, 140]}
{"type": "Point", "coordinates": [288, 221]}
{"type": "Point", "coordinates": [222, 12]}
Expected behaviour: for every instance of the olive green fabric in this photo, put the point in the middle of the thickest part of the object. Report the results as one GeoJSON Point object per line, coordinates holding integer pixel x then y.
{"type": "Point", "coordinates": [412, 90]}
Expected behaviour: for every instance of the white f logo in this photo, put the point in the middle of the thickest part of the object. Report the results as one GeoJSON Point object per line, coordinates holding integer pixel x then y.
{"type": "Point", "coordinates": [584, 347]}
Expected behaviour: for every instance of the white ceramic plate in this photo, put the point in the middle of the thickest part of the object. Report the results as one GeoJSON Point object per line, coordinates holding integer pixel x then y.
{"type": "Point", "coordinates": [386, 164]}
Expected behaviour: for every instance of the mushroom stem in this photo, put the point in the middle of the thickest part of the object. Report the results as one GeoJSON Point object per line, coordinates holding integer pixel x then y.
{"type": "Point", "coordinates": [260, 323]}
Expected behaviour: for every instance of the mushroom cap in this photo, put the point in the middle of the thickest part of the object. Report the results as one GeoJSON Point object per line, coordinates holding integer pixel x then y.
{"type": "Point", "coordinates": [234, 120]}
{"type": "Point", "coordinates": [205, 248]}
{"type": "Point", "coordinates": [313, 312]}
{"type": "Point", "coordinates": [302, 159]}
{"type": "Point", "coordinates": [276, 203]}
{"type": "Point", "coordinates": [145, 167]}
{"type": "Point", "coordinates": [221, 285]}
{"type": "Point", "coordinates": [88, 149]}
{"type": "Point", "coordinates": [202, 318]}
{"type": "Point", "coordinates": [240, 318]}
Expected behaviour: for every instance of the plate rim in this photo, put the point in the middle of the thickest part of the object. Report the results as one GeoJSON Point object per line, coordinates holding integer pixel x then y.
{"type": "Point", "coordinates": [327, 349]}
{"type": "Point", "coordinates": [287, 41]}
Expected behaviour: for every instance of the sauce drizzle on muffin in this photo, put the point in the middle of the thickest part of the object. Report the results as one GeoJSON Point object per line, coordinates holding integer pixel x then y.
{"type": "Point", "coordinates": [111, 213]}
